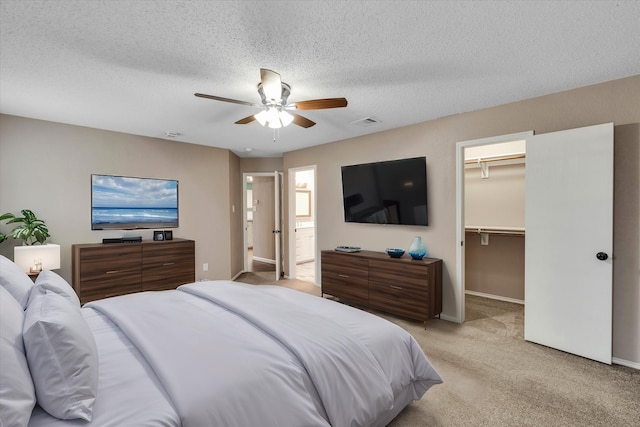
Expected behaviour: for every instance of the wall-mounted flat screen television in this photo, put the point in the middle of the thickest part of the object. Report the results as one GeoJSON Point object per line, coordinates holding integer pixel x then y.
{"type": "Point", "coordinates": [127, 203]}
{"type": "Point", "coordinates": [388, 192]}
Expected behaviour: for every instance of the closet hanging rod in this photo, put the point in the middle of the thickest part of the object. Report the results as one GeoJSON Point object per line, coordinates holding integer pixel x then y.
{"type": "Point", "coordinates": [496, 230]}
{"type": "Point", "coordinates": [495, 159]}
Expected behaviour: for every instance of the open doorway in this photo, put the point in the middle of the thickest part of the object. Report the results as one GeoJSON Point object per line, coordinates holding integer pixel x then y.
{"type": "Point", "coordinates": [302, 217]}
{"type": "Point", "coordinates": [494, 220]}
{"type": "Point", "coordinates": [482, 231]}
{"type": "Point", "coordinates": [262, 219]}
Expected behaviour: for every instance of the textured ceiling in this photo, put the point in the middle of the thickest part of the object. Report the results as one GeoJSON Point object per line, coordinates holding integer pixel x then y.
{"type": "Point", "coordinates": [133, 66]}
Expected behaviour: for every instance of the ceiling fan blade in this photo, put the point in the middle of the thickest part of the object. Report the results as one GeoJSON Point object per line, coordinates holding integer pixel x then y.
{"type": "Point", "coordinates": [302, 121]}
{"type": "Point", "coordinates": [320, 104]}
{"type": "Point", "coordinates": [219, 98]}
{"type": "Point", "coordinates": [246, 120]}
{"type": "Point", "coordinates": [271, 84]}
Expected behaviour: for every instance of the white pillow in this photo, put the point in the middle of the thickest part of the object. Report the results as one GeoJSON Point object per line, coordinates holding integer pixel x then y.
{"type": "Point", "coordinates": [17, 396]}
{"type": "Point", "coordinates": [55, 283]}
{"type": "Point", "coordinates": [16, 281]}
{"type": "Point", "coordinates": [62, 356]}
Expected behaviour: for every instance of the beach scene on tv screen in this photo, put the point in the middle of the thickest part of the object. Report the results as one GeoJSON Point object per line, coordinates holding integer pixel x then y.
{"type": "Point", "coordinates": [128, 202]}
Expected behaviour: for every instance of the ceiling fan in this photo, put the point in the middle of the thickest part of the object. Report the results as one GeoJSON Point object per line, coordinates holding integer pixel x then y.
{"type": "Point", "coordinates": [274, 93]}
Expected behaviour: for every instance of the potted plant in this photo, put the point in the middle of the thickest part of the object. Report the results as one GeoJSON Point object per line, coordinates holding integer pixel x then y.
{"type": "Point", "coordinates": [31, 229]}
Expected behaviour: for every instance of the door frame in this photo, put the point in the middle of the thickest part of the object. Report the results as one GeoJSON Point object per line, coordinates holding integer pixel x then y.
{"type": "Point", "coordinates": [291, 172]}
{"type": "Point", "coordinates": [459, 286]}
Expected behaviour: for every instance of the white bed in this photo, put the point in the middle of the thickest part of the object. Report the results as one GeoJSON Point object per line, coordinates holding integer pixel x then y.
{"type": "Point", "coordinates": [231, 354]}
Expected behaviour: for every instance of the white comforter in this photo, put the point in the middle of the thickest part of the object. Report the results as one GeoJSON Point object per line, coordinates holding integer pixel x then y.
{"type": "Point", "coordinates": [232, 354]}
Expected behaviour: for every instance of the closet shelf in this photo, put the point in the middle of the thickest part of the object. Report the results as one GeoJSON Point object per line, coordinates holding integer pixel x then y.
{"type": "Point", "coordinates": [506, 231]}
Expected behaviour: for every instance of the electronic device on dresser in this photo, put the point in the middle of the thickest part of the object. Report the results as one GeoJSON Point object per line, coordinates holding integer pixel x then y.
{"type": "Point", "coordinates": [389, 192]}
{"type": "Point", "coordinates": [128, 203]}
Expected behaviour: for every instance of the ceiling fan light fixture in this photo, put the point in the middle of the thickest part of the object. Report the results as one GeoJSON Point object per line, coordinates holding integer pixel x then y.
{"type": "Point", "coordinates": [273, 118]}
{"type": "Point", "coordinates": [274, 94]}
{"type": "Point", "coordinates": [261, 117]}
{"type": "Point", "coordinates": [285, 118]}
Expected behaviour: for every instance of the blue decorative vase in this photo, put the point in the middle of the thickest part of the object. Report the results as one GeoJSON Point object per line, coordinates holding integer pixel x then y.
{"type": "Point", "coordinates": [417, 250]}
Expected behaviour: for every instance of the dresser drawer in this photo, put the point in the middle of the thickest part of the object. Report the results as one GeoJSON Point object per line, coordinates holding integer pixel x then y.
{"type": "Point", "coordinates": [345, 278]}
{"type": "Point", "coordinates": [111, 264]}
{"type": "Point", "coordinates": [168, 265]}
{"type": "Point", "coordinates": [114, 282]}
{"type": "Point", "coordinates": [399, 299]}
{"type": "Point", "coordinates": [104, 270]}
{"type": "Point", "coordinates": [401, 286]}
{"type": "Point", "coordinates": [404, 289]}
{"type": "Point", "coordinates": [414, 277]}
{"type": "Point", "coordinates": [163, 253]}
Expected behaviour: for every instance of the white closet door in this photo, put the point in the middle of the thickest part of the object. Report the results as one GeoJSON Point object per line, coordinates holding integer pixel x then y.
{"type": "Point", "coordinates": [569, 242]}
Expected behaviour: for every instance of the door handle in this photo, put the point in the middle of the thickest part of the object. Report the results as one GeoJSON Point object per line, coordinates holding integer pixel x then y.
{"type": "Point", "coordinates": [602, 256]}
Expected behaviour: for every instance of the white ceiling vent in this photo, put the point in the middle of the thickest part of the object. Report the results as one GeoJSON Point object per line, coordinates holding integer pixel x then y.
{"type": "Point", "coordinates": [367, 121]}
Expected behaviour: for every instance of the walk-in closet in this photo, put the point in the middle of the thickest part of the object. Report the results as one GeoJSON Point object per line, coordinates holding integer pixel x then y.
{"type": "Point", "coordinates": [494, 190]}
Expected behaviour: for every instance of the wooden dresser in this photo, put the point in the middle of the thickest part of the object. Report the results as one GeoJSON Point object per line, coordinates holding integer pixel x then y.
{"type": "Point", "coordinates": [106, 270]}
{"type": "Point", "coordinates": [402, 286]}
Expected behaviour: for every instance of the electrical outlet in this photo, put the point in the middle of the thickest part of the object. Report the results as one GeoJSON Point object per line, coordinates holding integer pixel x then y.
{"type": "Point", "coordinates": [205, 266]}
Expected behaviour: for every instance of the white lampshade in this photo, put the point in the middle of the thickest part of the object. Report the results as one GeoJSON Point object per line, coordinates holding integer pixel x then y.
{"type": "Point", "coordinates": [285, 118]}
{"type": "Point", "coordinates": [273, 119]}
{"type": "Point", "coordinates": [261, 117]}
{"type": "Point", "coordinates": [47, 256]}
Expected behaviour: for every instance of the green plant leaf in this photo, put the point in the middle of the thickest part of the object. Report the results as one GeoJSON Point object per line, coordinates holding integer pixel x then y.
{"type": "Point", "coordinates": [32, 229]}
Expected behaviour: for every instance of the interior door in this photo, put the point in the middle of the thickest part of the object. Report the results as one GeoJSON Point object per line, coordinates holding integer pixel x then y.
{"type": "Point", "coordinates": [277, 227]}
{"type": "Point", "coordinates": [568, 248]}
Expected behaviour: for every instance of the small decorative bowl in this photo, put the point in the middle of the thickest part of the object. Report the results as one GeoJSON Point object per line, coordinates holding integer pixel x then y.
{"type": "Point", "coordinates": [394, 253]}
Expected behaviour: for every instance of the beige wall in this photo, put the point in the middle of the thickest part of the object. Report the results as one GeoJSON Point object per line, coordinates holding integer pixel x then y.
{"type": "Point", "coordinates": [46, 167]}
{"type": "Point", "coordinates": [496, 269]}
{"type": "Point", "coordinates": [235, 227]}
{"type": "Point", "coordinates": [615, 101]}
{"type": "Point", "coordinates": [264, 164]}
{"type": "Point", "coordinates": [497, 201]}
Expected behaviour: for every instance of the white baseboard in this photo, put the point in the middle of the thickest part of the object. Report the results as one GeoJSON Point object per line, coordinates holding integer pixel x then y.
{"type": "Point", "coordinates": [496, 297]}
{"type": "Point", "coordinates": [627, 363]}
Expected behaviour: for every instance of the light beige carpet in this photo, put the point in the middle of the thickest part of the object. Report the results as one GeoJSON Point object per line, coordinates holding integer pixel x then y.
{"type": "Point", "coordinates": [492, 377]}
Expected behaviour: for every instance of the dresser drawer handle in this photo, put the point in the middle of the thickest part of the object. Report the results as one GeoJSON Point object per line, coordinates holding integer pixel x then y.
{"type": "Point", "coordinates": [400, 288]}
{"type": "Point", "coordinates": [112, 271]}
{"type": "Point", "coordinates": [168, 263]}
{"type": "Point", "coordinates": [344, 276]}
